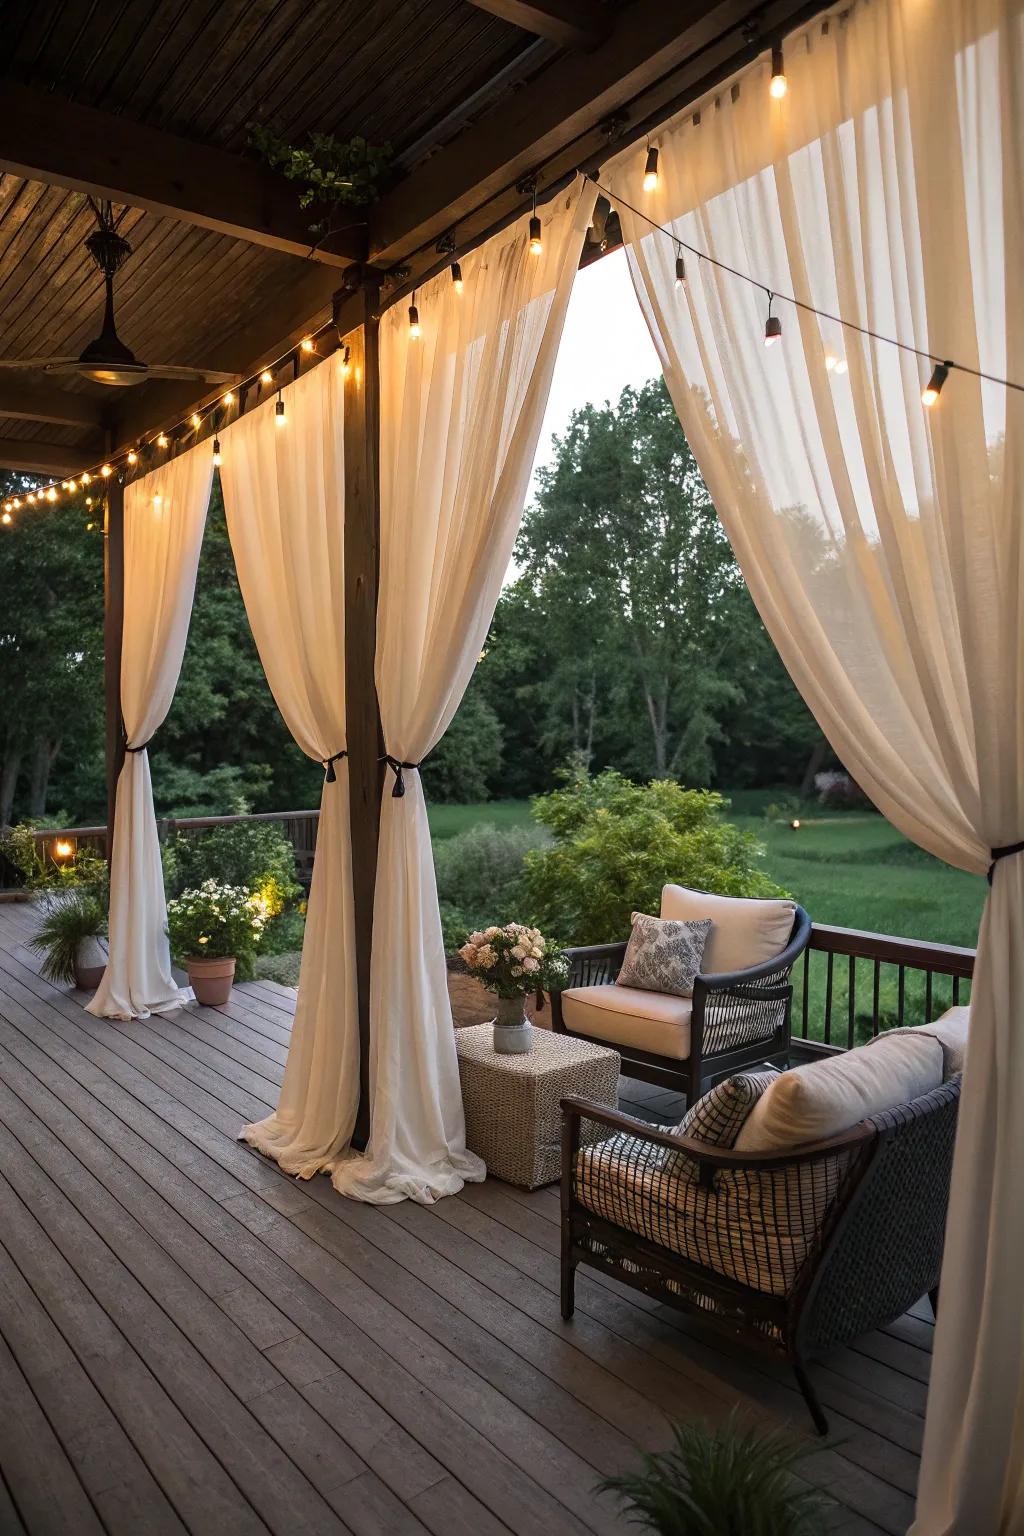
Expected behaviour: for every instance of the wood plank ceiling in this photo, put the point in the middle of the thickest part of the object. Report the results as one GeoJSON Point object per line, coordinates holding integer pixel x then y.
{"type": "Point", "coordinates": [204, 70]}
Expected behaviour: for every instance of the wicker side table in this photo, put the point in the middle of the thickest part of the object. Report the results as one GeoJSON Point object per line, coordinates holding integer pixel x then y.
{"type": "Point", "coordinates": [513, 1119]}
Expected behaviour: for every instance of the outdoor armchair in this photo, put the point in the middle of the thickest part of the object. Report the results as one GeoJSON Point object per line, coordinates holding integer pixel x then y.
{"type": "Point", "coordinates": [735, 1019]}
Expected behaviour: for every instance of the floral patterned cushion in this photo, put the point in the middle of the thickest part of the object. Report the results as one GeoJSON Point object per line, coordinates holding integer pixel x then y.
{"type": "Point", "coordinates": [664, 956]}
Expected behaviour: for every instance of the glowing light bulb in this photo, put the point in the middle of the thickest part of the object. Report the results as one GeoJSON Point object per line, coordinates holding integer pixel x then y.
{"type": "Point", "coordinates": [162, 440]}
{"type": "Point", "coordinates": [415, 330]}
{"type": "Point", "coordinates": [229, 397]}
{"type": "Point", "coordinates": [32, 497]}
{"type": "Point", "coordinates": [841, 365]}
{"type": "Point", "coordinates": [536, 245]}
{"type": "Point", "coordinates": [133, 457]}
{"type": "Point", "coordinates": [216, 453]}
{"type": "Point", "coordinates": [266, 377]}
{"type": "Point", "coordinates": [72, 485]}
{"type": "Point", "coordinates": [8, 505]}
{"type": "Point", "coordinates": [307, 344]}
{"type": "Point", "coordinates": [106, 471]}
{"type": "Point", "coordinates": [16, 503]}
{"type": "Point", "coordinates": [279, 415]}
{"type": "Point", "coordinates": [830, 361]}
{"type": "Point", "coordinates": [346, 365]}
{"type": "Point", "coordinates": [651, 170]}
{"type": "Point", "coordinates": [85, 478]}
{"type": "Point", "coordinates": [777, 85]}
{"type": "Point", "coordinates": [62, 849]}
{"type": "Point", "coordinates": [157, 499]}
{"type": "Point", "coordinates": [89, 527]}
{"type": "Point", "coordinates": [456, 277]}
{"type": "Point", "coordinates": [51, 494]}
{"type": "Point", "coordinates": [196, 420]}
{"type": "Point", "coordinates": [933, 388]}
{"type": "Point", "coordinates": [6, 517]}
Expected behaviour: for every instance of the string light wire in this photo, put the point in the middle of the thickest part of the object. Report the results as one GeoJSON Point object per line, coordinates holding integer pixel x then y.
{"type": "Point", "coordinates": [785, 298]}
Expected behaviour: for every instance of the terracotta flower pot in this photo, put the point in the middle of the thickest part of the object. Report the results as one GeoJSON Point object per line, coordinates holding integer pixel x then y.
{"type": "Point", "coordinates": [90, 963]}
{"type": "Point", "coordinates": [211, 979]}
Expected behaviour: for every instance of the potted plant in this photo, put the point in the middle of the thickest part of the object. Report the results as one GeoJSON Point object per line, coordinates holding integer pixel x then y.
{"type": "Point", "coordinates": [729, 1481]}
{"type": "Point", "coordinates": [513, 962]}
{"type": "Point", "coordinates": [210, 928]}
{"type": "Point", "coordinates": [72, 937]}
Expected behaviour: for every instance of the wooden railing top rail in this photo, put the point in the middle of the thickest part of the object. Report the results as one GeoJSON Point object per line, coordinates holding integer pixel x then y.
{"type": "Point", "coordinates": [184, 823]}
{"type": "Point", "coordinates": [945, 959]}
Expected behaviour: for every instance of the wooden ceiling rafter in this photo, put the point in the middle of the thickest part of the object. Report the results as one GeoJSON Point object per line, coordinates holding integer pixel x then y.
{"type": "Point", "coordinates": [570, 23]}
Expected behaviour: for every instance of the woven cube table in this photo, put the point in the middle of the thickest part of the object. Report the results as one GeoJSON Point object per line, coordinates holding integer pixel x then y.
{"type": "Point", "coordinates": [513, 1119]}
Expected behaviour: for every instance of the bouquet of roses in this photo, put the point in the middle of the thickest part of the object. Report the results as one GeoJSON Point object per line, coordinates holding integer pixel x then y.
{"type": "Point", "coordinates": [514, 960]}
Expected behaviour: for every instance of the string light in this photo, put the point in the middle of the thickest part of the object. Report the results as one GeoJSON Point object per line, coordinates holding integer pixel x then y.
{"type": "Point", "coordinates": [85, 477]}
{"type": "Point", "coordinates": [841, 365]}
{"type": "Point", "coordinates": [536, 245]}
{"type": "Point", "coordinates": [307, 344]}
{"type": "Point", "coordinates": [778, 84]}
{"type": "Point", "coordinates": [773, 325]}
{"type": "Point", "coordinates": [72, 486]}
{"type": "Point", "coordinates": [133, 457]}
{"type": "Point", "coordinates": [6, 517]}
{"type": "Point", "coordinates": [51, 494]}
{"type": "Point", "coordinates": [651, 170]}
{"type": "Point", "coordinates": [415, 330]}
{"type": "Point", "coordinates": [228, 397]}
{"type": "Point", "coordinates": [933, 388]}
{"type": "Point", "coordinates": [216, 453]}
{"type": "Point", "coordinates": [266, 377]}
{"type": "Point", "coordinates": [456, 277]}
{"type": "Point", "coordinates": [830, 361]}
{"type": "Point", "coordinates": [196, 420]}
{"type": "Point", "coordinates": [279, 415]}
{"type": "Point", "coordinates": [16, 503]}
{"type": "Point", "coordinates": [162, 440]}
{"type": "Point", "coordinates": [32, 497]}
{"type": "Point", "coordinates": [680, 271]}
{"type": "Point", "coordinates": [106, 471]}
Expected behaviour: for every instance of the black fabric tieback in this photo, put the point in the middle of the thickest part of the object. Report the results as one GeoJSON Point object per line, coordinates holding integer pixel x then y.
{"type": "Point", "coordinates": [1002, 853]}
{"type": "Point", "coordinates": [330, 777]}
{"type": "Point", "coordinates": [397, 769]}
{"type": "Point", "coordinates": [145, 744]}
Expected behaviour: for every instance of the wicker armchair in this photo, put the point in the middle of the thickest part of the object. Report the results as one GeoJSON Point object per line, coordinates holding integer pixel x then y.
{"type": "Point", "coordinates": [738, 1019]}
{"type": "Point", "coordinates": [797, 1252]}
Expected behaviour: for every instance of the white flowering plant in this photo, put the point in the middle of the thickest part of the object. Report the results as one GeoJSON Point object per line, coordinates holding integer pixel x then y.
{"type": "Point", "coordinates": [215, 921]}
{"type": "Point", "coordinates": [514, 960]}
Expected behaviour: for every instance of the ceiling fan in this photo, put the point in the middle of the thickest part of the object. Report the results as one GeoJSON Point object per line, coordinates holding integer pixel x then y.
{"type": "Point", "coordinates": [107, 360]}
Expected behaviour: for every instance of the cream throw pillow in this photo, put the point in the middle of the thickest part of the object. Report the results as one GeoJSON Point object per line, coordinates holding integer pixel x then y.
{"type": "Point", "coordinates": [950, 1030]}
{"type": "Point", "coordinates": [824, 1098]}
{"type": "Point", "coordinates": [745, 932]}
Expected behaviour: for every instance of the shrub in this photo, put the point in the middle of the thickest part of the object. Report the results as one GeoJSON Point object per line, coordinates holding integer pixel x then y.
{"type": "Point", "coordinates": [214, 921]}
{"type": "Point", "coordinates": [480, 877]}
{"type": "Point", "coordinates": [255, 854]}
{"type": "Point", "coordinates": [616, 845]}
{"type": "Point", "coordinates": [730, 1481]}
{"type": "Point", "coordinates": [27, 857]}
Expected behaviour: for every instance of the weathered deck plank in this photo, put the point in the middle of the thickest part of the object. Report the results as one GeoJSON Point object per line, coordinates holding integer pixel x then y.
{"type": "Point", "coordinates": [191, 1340]}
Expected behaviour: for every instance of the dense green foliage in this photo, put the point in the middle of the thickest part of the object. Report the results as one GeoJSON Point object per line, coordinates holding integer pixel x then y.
{"type": "Point", "coordinates": [733, 1480]}
{"type": "Point", "coordinates": [617, 843]}
{"type": "Point", "coordinates": [69, 917]}
{"type": "Point", "coordinates": [253, 855]}
{"type": "Point", "coordinates": [480, 877]}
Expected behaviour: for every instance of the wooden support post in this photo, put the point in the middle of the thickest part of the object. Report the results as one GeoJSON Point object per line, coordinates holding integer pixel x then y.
{"type": "Point", "coordinates": [113, 629]}
{"type": "Point", "coordinates": [363, 733]}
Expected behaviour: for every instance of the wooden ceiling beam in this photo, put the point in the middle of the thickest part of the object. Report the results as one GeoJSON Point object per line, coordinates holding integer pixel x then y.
{"type": "Point", "coordinates": [33, 458]}
{"type": "Point", "coordinates": [45, 138]}
{"type": "Point", "coordinates": [574, 113]}
{"type": "Point", "coordinates": [22, 400]}
{"type": "Point", "coordinates": [570, 23]}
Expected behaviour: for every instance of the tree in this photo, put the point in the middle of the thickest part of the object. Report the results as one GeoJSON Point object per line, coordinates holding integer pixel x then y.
{"type": "Point", "coordinates": [51, 647]}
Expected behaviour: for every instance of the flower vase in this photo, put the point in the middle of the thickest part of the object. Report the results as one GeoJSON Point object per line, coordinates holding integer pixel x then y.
{"type": "Point", "coordinates": [513, 1032]}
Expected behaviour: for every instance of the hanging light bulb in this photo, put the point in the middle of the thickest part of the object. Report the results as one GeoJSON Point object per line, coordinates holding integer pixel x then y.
{"type": "Point", "coordinates": [72, 485]}
{"type": "Point", "coordinates": [162, 440]}
{"type": "Point", "coordinates": [456, 277]}
{"type": "Point", "coordinates": [773, 325]}
{"type": "Point", "coordinates": [216, 453]}
{"type": "Point", "coordinates": [157, 498]}
{"type": "Point", "coordinates": [16, 503]}
{"type": "Point", "coordinates": [933, 388]}
{"type": "Point", "coordinates": [415, 330]}
{"type": "Point", "coordinates": [133, 457]}
{"type": "Point", "coordinates": [51, 494]}
{"type": "Point", "coordinates": [228, 397]}
{"type": "Point", "coordinates": [196, 420]}
{"type": "Point", "coordinates": [778, 85]}
{"type": "Point", "coordinates": [651, 170]}
{"type": "Point", "coordinates": [64, 485]}
{"type": "Point", "coordinates": [6, 517]}
{"type": "Point", "coordinates": [32, 497]}
{"type": "Point", "coordinates": [830, 361]}
{"type": "Point", "coordinates": [85, 477]}
{"type": "Point", "coordinates": [279, 416]}
{"type": "Point", "coordinates": [536, 244]}
{"type": "Point", "coordinates": [841, 365]}
{"type": "Point", "coordinates": [346, 363]}
{"type": "Point", "coordinates": [307, 344]}
{"type": "Point", "coordinates": [8, 505]}
{"type": "Point", "coordinates": [266, 377]}
{"type": "Point", "coordinates": [88, 501]}
{"type": "Point", "coordinates": [680, 271]}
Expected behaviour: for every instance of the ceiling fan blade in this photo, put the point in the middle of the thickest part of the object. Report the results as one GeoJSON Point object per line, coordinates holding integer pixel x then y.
{"type": "Point", "coordinates": [169, 371]}
{"type": "Point", "coordinates": [37, 362]}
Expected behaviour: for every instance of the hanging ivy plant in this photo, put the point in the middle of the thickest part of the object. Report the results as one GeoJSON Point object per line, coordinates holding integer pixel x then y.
{"type": "Point", "coordinates": [331, 172]}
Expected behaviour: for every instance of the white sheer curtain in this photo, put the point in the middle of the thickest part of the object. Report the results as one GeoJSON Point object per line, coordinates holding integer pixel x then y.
{"type": "Point", "coordinates": [882, 542]}
{"type": "Point", "coordinates": [164, 518]}
{"type": "Point", "coordinates": [461, 412]}
{"type": "Point", "coordinates": [284, 497]}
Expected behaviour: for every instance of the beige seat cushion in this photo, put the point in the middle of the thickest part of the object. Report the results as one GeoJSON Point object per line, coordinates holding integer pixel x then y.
{"type": "Point", "coordinates": [630, 1016]}
{"type": "Point", "coordinates": [827, 1097]}
{"type": "Point", "coordinates": [744, 932]}
{"type": "Point", "coordinates": [950, 1030]}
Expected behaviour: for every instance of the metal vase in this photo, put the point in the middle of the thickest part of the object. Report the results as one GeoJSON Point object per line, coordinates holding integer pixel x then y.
{"type": "Point", "coordinates": [513, 1032]}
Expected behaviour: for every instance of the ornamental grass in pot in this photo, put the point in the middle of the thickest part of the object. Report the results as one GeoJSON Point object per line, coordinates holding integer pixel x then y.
{"type": "Point", "coordinates": [213, 929]}
{"type": "Point", "coordinates": [72, 936]}
{"type": "Point", "coordinates": [513, 962]}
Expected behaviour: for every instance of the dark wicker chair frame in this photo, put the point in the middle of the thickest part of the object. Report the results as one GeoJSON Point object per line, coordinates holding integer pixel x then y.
{"type": "Point", "coordinates": [872, 1252]}
{"type": "Point", "coordinates": [715, 1050]}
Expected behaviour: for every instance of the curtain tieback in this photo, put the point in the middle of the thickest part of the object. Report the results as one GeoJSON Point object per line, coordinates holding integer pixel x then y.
{"type": "Point", "coordinates": [1002, 853]}
{"type": "Point", "coordinates": [143, 747]}
{"type": "Point", "coordinates": [330, 777]}
{"type": "Point", "coordinates": [397, 769]}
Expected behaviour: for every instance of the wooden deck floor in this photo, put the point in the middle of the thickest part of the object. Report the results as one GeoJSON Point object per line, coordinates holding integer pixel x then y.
{"type": "Point", "coordinates": [192, 1341]}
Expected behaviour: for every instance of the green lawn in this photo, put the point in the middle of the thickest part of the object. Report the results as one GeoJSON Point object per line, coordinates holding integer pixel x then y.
{"type": "Point", "coordinates": [847, 868]}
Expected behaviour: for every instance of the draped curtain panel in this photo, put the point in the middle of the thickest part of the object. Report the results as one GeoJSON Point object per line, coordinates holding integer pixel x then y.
{"type": "Point", "coordinates": [461, 412]}
{"type": "Point", "coordinates": [284, 497]}
{"type": "Point", "coordinates": [164, 518]}
{"type": "Point", "coordinates": [882, 541]}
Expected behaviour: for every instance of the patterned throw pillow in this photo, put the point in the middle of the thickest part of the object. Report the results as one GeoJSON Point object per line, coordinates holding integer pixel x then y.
{"type": "Point", "coordinates": [664, 955]}
{"type": "Point", "coordinates": [718, 1117]}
